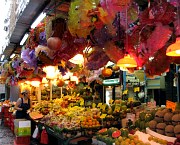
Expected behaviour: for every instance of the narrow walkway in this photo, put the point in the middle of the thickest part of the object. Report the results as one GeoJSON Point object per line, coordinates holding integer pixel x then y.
{"type": "Point", "coordinates": [6, 136]}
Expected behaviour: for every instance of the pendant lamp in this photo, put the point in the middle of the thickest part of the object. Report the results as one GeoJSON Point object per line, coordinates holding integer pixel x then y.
{"type": "Point", "coordinates": [127, 62]}
{"type": "Point", "coordinates": [174, 49]}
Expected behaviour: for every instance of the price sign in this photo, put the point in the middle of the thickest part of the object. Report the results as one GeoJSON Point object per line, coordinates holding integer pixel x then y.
{"type": "Point", "coordinates": [125, 92]}
{"type": "Point", "coordinates": [103, 107]}
{"type": "Point", "coordinates": [130, 99]}
{"type": "Point", "coordinates": [136, 89]}
{"type": "Point", "coordinates": [99, 105]}
{"type": "Point", "coordinates": [111, 101]}
{"type": "Point", "coordinates": [103, 116]}
{"type": "Point", "coordinates": [170, 105]}
{"type": "Point", "coordinates": [93, 105]}
{"type": "Point", "coordinates": [82, 103]}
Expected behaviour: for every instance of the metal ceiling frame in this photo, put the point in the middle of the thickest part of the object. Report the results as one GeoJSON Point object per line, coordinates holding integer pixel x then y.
{"type": "Point", "coordinates": [30, 13]}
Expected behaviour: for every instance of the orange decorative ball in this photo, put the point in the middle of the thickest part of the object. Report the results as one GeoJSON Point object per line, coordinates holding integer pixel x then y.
{"type": "Point", "coordinates": [60, 83]}
{"type": "Point", "coordinates": [106, 72]}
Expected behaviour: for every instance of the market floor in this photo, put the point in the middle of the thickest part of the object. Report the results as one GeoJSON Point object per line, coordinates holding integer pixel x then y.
{"type": "Point", "coordinates": [6, 136]}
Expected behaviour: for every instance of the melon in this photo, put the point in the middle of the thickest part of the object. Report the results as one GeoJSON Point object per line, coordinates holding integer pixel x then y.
{"type": "Point", "coordinates": [168, 116]}
{"type": "Point", "coordinates": [124, 132]}
{"type": "Point", "coordinates": [111, 130]}
{"type": "Point", "coordinates": [159, 116]}
{"type": "Point", "coordinates": [116, 134]}
{"type": "Point", "coordinates": [165, 110]}
{"type": "Point", "coordinates": [177, 130]}
{"type": "Point", "coordinates": [169, 130]}
{"type": "Point", "coordinates": [103, 131]}
{"type": "Point", "coordinates": [152, 125]}
{"type": "Point", "coordinates": [160, 128]}
{"type": "Point", "coordinates": [176, 119]}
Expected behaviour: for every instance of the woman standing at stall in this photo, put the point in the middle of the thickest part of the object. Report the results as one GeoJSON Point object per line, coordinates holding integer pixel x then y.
{"type": "Point", "coordinates": [23, 105]}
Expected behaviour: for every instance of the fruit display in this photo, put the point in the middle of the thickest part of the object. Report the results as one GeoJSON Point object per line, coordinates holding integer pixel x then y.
{"type": "Point", "coordinates": [166, 122]}
{"type": "Point", "coordinates": [73, 118]}
{"type": "Point", "coordinates": [130, 140]}
{"type": "Point", "coordinates": [44, 107]}
{"type": "Point", "coordinates": [108, 136]}
{"type": "Point", "coordinates": [89, 122]}
{"type": "Point", "coordinates": [118, 109]}
{"type": "Point", "coordinates": [118, 137]}
{"type": "Point", "coordinates": [144, 120]}
{"type": "Point", "coordinates": [157, 140]}
{"type": "Point", "coordinates": [152, 139]}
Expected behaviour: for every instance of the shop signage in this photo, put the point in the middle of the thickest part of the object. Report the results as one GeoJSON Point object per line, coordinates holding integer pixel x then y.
{"type": "Point", "coordinates": [170, 105]}
{"type": "Point", "coordinates": [111, 82]}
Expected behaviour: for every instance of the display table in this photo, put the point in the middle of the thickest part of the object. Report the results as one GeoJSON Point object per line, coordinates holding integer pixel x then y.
{"type": "Point", "coordinates": [58, 138]}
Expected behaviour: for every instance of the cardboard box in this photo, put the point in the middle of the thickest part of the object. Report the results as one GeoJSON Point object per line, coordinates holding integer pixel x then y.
{"type": "Point", "coordinates": [22, 127]}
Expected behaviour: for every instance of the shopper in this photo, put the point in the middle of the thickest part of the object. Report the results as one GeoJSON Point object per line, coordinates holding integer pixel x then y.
{"type": "Point", "coordinates": [23, 105]}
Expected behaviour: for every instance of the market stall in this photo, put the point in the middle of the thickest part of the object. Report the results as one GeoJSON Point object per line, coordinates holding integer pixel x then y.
{"type": "Point", "coordinates": [88, 74]}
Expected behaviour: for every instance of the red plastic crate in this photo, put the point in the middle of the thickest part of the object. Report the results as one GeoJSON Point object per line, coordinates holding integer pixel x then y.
{"type": "Point", "coordinates": [22, 140]}
{"type": "Point", "coordinates": [20, 144]}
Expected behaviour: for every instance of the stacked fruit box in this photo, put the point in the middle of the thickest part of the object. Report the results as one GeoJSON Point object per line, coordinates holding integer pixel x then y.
{"type": "Point", "coordinates": [6, 115]}
{"type": "Point", "coordinates": [11, 121]}
{"type": "Point", "coordinates": [22, 130]}
{"type": "Point", "coordinates": [22, 140]}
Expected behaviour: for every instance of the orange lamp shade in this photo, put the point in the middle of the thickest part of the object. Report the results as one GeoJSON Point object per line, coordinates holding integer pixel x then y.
{"type": "Point", "coordinates": [174, 49]}
{"type": "Point", "coordinates": [127, 62]}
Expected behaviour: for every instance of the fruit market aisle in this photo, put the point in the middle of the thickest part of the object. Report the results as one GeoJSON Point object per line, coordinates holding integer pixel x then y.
{"type": "Point", "coordinates": [6, 136]}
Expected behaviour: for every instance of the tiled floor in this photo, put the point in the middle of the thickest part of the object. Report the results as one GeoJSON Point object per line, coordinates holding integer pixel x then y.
{"type": "Point", "coordinates": [6, 136]}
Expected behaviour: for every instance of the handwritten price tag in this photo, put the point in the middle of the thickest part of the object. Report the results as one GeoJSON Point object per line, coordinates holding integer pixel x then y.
{"type": "Point", "coordinates": [125, 92]}
{"type": "Point", "coordinates": [130, 99]}
{"type": "Point", "coordinates": [99, 105]}
{"type": "Point", "coordinates": [93, 105]}
{"type": "Point", "coordinates": [111, 101]}
{"type": "Point", "coordinates": [103, 116]}
{"type": "Point", "coordinates": [170, 105]}
{"type": "Point", "coordinates": [82, 103]}
{"type": "Point", "coordinates": [136, 89]}
{"type": "Point", "coordinates": [103, 107]}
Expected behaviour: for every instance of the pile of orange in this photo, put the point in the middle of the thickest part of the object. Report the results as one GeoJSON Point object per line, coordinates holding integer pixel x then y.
{"type": "Point", "coordinates": [90, 122]}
